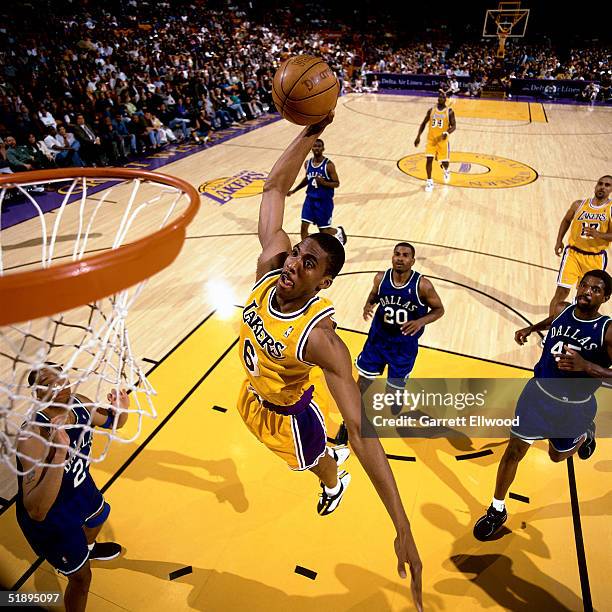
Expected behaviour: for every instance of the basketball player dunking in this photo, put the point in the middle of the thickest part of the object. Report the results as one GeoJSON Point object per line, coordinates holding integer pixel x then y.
{"type": "Point", "coordinates": [61, 511]}
{"type": "Point", "coordinates": [287, 329]}
{"type": "Point", "coordinates": [320, 181]}
{"type": "Point", "coordinates": [558, 403]}
{"type": "Point", "coordinates": [441, 121]}
{"type": "Point", "coordinates": [590, 224]}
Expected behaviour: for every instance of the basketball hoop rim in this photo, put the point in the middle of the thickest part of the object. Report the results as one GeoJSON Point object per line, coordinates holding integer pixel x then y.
{"type": "Point", "coordinates": [43, 292]}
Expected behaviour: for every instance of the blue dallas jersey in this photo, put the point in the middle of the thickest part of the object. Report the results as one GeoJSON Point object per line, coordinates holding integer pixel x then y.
{"type": "Point", "coordinates": [76, 470]}
{"type": "Point", "coordinates": [585, 337]}
{"type": "Point", "coordinates": [397, 305]}
{"type": "Point", "coordinates": [312, 189]}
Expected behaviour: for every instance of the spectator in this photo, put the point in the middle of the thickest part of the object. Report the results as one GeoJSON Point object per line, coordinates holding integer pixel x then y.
{"type": "Point", "coordinates": [18, 158]}
{"type": "Point", "coordinates": [63, 154]}
{"type": "Point", "coordinates": [39, 153]}
{"type": "Point", "coordinates": [173, 121]}
{"type": "Point", "coordinates": [46, 118]}
{"type": "Point", "coordinates": [91, 147]}
{"type": "Point", "coordinates": [129, 140]}
{"type": "Point", "coordinates": [4, 164]}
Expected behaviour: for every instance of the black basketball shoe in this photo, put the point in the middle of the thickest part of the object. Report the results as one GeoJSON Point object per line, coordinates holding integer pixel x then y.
{"type": "Point", "coordinates": [486, 526]}
{"type": "Point", "coordinates": [105, 551]}
{"type": "Point", "coordinates": [588, 446]}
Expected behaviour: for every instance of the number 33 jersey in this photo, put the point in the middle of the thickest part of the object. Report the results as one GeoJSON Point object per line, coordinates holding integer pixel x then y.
{"type": "Point", "coordinates": [272, 343]}
{"type": "Point", "coordinates": [397, 305]}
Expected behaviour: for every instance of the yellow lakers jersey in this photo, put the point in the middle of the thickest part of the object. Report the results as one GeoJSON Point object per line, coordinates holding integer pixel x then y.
{"type": "Point", "coordinates": [272, 343]}
{"type": "Point", "coordinates": [438, 123]}
{"type": "Point", "coordinates": [595, 217]}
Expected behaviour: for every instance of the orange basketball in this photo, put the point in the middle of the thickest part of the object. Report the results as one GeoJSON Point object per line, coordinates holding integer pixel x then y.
{"type": "Point", "coordinates": [305, 89]}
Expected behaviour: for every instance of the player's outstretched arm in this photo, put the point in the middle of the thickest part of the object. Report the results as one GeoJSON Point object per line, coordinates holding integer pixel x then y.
{"type": "Point", "coordinates": [521, 335]}
{"type": "Point", "coordinates": [327, 350]}
{"type": "Point", "coordinates": [275, 243]}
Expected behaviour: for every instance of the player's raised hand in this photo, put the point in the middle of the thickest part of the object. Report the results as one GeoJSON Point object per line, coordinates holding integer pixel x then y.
{"type": "Point", "coordinates": [317, 128]}
{"type": "Point", "coordinates": [559, 248]}
{"type": "Point", "coordinates": [121, 401]}
{"type": "Point", "coordinates": [406, 551]}
{"type": "Point", "coordinates": [520, 337]}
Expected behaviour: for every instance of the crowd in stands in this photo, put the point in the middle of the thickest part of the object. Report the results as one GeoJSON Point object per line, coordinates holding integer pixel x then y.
{"type": "Point", "coordinates": [97, 87]}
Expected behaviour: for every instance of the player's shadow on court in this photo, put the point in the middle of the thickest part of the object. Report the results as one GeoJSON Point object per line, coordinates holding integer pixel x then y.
{"type": "Point", "coordinates": [178, 468]}
{"type": "Point", "coordinates": [515, 583]}
{"type": "Point", "coordinates": [217, 590]}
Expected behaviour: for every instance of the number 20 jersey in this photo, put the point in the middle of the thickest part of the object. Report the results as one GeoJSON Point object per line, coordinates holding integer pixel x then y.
{"type": "Point", "coordinates": [397, 305]}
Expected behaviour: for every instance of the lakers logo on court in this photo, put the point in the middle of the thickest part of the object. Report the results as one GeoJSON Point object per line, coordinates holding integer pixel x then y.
{"type": "Point", "coordinates": [244, 184]}
{"type": "Point", "coordinates": [473, 170]}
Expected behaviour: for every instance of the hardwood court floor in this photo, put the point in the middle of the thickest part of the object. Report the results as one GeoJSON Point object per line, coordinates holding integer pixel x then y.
{"type": "Point", "coordinates": [202, 493]}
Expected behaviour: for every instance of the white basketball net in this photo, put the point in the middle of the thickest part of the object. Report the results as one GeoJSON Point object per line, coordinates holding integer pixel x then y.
{"type": "Point", "coordinates": [91, 343]}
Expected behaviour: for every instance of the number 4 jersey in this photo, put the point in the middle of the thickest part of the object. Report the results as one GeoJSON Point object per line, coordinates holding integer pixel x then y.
{"type": "Point", "coordinates": [272, 343]}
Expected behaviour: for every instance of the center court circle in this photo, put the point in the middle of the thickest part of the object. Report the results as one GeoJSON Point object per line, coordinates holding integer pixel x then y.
{"type": "Point", "coordinates": [475, 170]}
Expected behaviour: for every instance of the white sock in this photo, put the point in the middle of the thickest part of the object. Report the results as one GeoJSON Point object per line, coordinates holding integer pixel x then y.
{"type": "Point", "coordinates": [498, 504]}
{"type": "Point", "coordinates": [335, 490]}
{"type": "Point", "coordinates": [90, 546]}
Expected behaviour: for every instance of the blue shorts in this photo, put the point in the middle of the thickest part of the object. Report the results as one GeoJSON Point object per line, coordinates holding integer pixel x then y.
{"type": "Point", "coordinates": [318, 212]}
{"type": "Point", "coordinates": [60, 538]}
{"type": "Point", "coordinates": [398, 357]}
{"type": "Point", "coordinates": [543, 416]}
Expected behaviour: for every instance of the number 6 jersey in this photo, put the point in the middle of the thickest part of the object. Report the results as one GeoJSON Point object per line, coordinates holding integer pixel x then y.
{"type": "Point", "coordinates": [272, 343]}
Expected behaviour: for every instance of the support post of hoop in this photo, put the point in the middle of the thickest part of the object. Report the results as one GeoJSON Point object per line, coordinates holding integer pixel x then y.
{"type": "Point", "coordinates": [502, 37]}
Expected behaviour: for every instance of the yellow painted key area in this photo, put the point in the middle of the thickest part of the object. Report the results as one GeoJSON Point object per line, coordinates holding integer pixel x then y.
{"type": "Point", "coordinates": [203, 493]}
